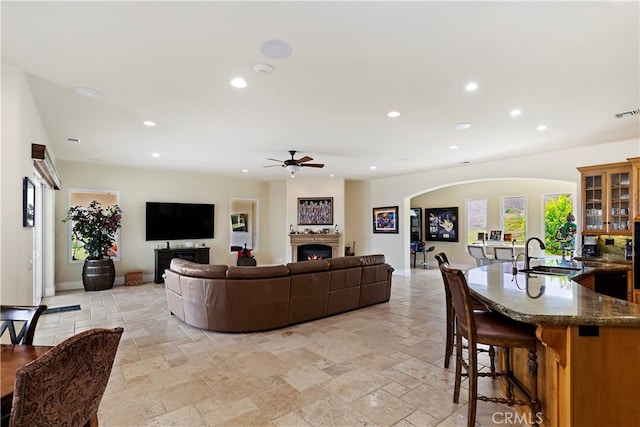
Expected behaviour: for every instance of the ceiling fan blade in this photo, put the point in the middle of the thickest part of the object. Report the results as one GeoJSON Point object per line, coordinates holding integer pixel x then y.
{"type": "Point", "coordinates": [275, 160]}
{"type": "Point", "coordinates": [313, 165]}
{"type": "Point", "coordinates": [305, 159]}
{"type": "Point", "coordinates": [273, 166]}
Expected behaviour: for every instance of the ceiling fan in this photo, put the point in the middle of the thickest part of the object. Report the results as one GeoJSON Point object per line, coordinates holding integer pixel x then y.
{"type": "Point", "coordinates": [292, 165]}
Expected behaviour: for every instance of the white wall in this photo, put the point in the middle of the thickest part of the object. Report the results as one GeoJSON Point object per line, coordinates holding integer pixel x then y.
{"type": "Point", "coordinates": [457, 195]}
{"type": "Point", "coordinates": [137, 186]}
{"type": "Point", "coordinates": [306, 187]}
{"type": "Point", "coordinates": [558, 165]}
{"type": "Point", "coordinates": [21, 126]}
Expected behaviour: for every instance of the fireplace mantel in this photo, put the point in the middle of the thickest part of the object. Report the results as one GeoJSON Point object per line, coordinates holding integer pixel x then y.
{"type": "Point", "coordinates": [332, 240]}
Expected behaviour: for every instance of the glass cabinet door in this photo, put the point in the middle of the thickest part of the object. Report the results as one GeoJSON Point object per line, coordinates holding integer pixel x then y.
{"type": "Point", "coordinates": [593, 199]}
{"type": "Point", "coordinates": [619, 203]}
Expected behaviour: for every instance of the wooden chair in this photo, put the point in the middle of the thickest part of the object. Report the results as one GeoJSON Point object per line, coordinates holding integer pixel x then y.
{"type": "Point", "coordinates": [29, 315]}
{"type": "Point", "coordinates": [492, 329]}
{"type": "Point", "coordinates": [451, 320]}
{"type": "Point", "coordinates": [65, 385]}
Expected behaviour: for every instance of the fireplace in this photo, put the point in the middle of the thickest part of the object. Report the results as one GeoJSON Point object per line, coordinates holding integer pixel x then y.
{"type": "Point", "coordinates": [314, 251]}
{"type": "Point", "coordinates": [326, 243]}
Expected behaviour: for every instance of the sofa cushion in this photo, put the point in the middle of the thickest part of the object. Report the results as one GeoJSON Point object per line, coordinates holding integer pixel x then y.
{"type": "Point", "coordinates": [205, 271]}
{"type": "Point", "coordinates": [344, 262]}
{"type": "Point", "coordinates": [265, 272]}
{"type": "Point", "coordinates": [372, 259]}
{"type": "Point", "coordinates": [308, 266]}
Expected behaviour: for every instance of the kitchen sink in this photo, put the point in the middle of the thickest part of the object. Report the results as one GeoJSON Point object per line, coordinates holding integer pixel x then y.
{"type": "Point", "coordinates": [545, 269]}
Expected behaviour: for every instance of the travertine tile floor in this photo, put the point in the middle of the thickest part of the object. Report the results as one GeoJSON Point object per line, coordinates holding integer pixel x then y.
{"type": "Point", "coordinates": [377, 366]}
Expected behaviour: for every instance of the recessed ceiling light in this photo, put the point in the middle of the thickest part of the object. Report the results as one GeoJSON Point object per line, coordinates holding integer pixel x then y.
{"type": "Point", "coordinates": [453, 147]}
{"type": "Point", "coordinates": [238, 82]}
{"type": "Point", "coordinates": [541, 128]}
{"type": "Point", "coordinates": [88, 92]}
{"type": "Point", "coordinates": [149, 123]}
{"type": "Point", "coordinates": [245, 170]}
{"type": "Point", "coordinates": [516, 112]}
{"type": "Point", "coordinates": [276, 49]}
{"type": "Point", "coordinates": [394, 114]}
{"type": "Point", "coordinates": [462, 126]}
{"type": "Point", "coordinates": [331, 175]}
{"type": "Point", "coordinates": [155, 155]}
{"type": "Point", "coordinates": [471, 86]}
{"type": "Point", "coordinates": [373, 167]}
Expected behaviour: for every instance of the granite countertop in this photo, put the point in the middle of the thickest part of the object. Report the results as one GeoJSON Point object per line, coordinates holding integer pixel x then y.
{"type": "Point", "coordinates": [550, 299]}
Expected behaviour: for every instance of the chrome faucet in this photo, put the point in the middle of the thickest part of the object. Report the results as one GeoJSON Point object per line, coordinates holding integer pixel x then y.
{"type": "Point", "coordinates": [527, 258]}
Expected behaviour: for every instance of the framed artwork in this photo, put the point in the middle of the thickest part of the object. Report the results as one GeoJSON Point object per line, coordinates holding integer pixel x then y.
{"type": "Point", "coordinates": [442, 224]}
{"type": "Point", "coordinates": [239, 222]}
{"type": "Point", "coordinates": [416, 224]}
{"type": "Point", "coordinates": [496, 235]}
{"type": "Point", "coordinates": [28, 203]}
{"type": "Point", "coordinates": [315, 211]}
{"type": "Point", "coordinates": [385, 220]}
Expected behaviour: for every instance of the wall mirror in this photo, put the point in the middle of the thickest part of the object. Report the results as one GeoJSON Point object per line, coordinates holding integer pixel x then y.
{"type": "Point", "coordinates": [243, 223]}
{"type": "Point", "coordinates": [83, 197]}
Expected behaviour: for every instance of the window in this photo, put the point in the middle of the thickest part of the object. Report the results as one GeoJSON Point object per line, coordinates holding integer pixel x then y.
{"type": "Point", "coordinates": [79, 197]}
{"type": "Point", "coordinates": [556, 209]}
{"type": "Point", "coordinates": [477, 213]}
{"type": "Point", "coordinates": [514, 217]}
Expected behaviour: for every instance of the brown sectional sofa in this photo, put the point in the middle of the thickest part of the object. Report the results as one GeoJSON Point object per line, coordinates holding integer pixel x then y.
{"type": "Point", "coordinates": [243, 299]}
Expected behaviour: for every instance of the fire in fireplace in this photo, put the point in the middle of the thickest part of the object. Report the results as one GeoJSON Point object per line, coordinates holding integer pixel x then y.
{"type": "Point", "coordinates": [314, 251]}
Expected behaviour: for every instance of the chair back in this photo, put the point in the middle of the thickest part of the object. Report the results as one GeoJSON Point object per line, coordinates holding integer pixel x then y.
{"type": "Point", "coordinates": [443, 259]}
{"type": "Point", "coordinates": [477, 252]}
{"type": "Point", "coordinates": [460, 298]}
{"type": "Point", "coordinates": [504, 253]}
{"type": "Point", "coordinates": [28, 315]}
{"type": "Point", "coordinates": [65, 385]}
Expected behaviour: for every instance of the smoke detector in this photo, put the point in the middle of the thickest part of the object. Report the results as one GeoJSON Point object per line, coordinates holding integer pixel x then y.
{"type": "Point", "coordinates": [263, 68]}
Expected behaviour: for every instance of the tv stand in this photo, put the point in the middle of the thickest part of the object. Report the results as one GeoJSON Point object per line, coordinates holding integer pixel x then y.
{"type": "Point", "coordinates": [164, 257]}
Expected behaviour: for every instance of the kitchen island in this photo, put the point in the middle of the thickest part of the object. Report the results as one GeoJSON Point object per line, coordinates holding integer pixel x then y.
{"type": "Point", "coordinates": [589, 344]}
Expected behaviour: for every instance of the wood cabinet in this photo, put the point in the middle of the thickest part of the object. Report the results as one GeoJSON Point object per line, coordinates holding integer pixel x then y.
{"type": "Point", "coordinates": [164, 256]}
{"type": "Point", "coordinates": [607, 200]}
{"type": "Point", "coordinates": [635, 181]}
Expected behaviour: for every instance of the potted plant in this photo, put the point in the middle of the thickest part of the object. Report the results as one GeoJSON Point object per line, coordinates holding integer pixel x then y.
{"type": "Point", "coordinates": [95, 227]}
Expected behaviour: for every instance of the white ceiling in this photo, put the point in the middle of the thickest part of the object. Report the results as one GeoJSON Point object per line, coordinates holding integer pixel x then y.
{"type": "Point", "coordinates": [568, 65]}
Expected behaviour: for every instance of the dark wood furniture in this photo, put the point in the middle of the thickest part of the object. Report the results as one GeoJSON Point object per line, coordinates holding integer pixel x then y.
{"type": "Point", "coordinates": [490, 328]}
{"type": "Point", "coordinates": [27, 315]}
{"type": "Point", "coordinates": [451, 320]}
{"type": "Point", "coordinates": [163, 259]}
{"type": "Point", "coordinates": [12, 358]}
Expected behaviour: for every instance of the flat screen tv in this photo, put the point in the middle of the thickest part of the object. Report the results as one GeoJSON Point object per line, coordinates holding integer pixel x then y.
{"type": "Point", "coordinates": [179, 221]}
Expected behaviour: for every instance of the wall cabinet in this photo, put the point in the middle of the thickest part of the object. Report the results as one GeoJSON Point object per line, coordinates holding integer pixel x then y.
{"type": "Point", "coordinates": [607, 200]}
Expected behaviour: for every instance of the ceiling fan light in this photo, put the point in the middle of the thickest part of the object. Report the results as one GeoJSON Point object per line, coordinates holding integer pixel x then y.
{"type": "Point", "coordinates": [292, 168]}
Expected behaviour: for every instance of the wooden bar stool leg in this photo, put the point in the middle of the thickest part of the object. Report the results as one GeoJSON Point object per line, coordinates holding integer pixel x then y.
{"type": "Point", "coordinates": [473, 382]}
{"type": "Point", "coordinates": [448, 349]}
{"type": "Point", "coordinates": [492, 357]}
{"type": "Point", "coordinates": [456, 388]}
{"type": "Point", "coordinates": [532, 364]}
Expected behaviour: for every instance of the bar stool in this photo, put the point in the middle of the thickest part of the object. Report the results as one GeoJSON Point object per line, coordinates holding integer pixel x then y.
{"type": "Point", "coordinates": [492, 329]}
{"type": "Point", "coordinates": [425, 262]}
{"type": "Point", "coordinates": [451, 320]}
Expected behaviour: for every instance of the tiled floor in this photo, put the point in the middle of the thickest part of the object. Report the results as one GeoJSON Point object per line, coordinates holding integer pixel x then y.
{"type": "Point", "coordinates": [378, 366]}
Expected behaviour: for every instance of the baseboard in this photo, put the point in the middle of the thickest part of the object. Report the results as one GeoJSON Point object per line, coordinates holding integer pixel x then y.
{"type": "Point", "coordinates": [77, 284]}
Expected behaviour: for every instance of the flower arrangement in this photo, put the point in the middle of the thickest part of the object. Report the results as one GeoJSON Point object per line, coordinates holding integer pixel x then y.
{"type": "Point", "coordinates": [95, 226]}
